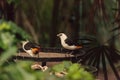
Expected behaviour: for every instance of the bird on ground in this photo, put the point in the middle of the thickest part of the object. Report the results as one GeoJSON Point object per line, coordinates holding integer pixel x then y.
{"type": "Point", "coordinates": [67, 43]}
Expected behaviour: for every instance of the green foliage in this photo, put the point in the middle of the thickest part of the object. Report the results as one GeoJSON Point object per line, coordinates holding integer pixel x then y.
{"type": "Point", "coordinates": [10, 34]}
{"type": "Point", "coordinates": [75, 71]}
{"type": "Point", "coordinates": [22, 73]}
{"type": "Point", "coordinates": [8, 53]}
{"type": "Point", "coordinates": [78, 73]}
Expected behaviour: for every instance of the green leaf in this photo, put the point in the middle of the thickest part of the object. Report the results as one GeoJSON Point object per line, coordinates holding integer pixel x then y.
{"type": "Point", "coordinates": [7, 40]}
{"type": "Point", "coordinates": [4, 26]}
{"type": "Point", "coordinates": [73, 68]}
{"type": "Point", "coordinates": [7, 54]}
{"type": "Point", "coordinates": [26, 75]}
{"type": "Point", "coordinates": [67, 64]}
{"type": "Point", "coordinates": [58, 68]}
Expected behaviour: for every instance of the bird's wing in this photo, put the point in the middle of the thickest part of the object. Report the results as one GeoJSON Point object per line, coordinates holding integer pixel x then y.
{"type": "Point", "coordinates": [34, 45]}
{"type": "Point", "coordinates": [30, 45]}
{"type": "Point", "coordinates": [27, 46]}
{"type": "Point", "coordinates": [69, 42]}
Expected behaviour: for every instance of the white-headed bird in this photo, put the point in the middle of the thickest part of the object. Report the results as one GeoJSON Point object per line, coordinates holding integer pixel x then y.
{"type": "Point", "coordinates": [67, 43]}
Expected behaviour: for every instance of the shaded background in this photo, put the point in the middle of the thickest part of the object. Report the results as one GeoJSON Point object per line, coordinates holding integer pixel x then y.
{"type": "Point", "coordinates": [43, 19]}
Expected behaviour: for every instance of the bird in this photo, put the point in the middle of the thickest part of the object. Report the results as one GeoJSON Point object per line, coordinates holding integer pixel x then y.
{"type": "Point", "coordinates": [31, 48]}
{"type": "Point", "coordinates": [67, 43]}
{"type": "Point", "coordinates": [72, 46]}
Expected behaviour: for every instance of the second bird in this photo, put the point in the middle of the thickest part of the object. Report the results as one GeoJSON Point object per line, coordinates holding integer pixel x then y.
{"type": "Point", "coordinates": [31, 48]}
{"type": "Point", "coordinates": [67, 43]}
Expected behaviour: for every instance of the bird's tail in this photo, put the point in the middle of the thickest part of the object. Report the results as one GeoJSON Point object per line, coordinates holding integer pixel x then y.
{"type": "Point", "coordinates": [78, 47]}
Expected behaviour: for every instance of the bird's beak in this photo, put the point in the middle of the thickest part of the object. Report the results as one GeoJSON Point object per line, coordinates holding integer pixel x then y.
{"type": "Point", "coordinates": [58, 35]}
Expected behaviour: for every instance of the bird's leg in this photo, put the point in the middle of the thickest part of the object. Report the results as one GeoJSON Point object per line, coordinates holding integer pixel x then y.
{"type": "Point", "coordinates": [76, 54]}
{"type": "Point", "coordinates": [79, 60]}
{"type": "Point", "coordinates": [71, 53]}
{"type": "Point", "coordinates": [38, 58]}
{"type": "Point", "coordinates": [44, 67]}
{"type": "Point", "coordinates": [38, 55]}
{"type": "Point", "coordinates": [67, 54]}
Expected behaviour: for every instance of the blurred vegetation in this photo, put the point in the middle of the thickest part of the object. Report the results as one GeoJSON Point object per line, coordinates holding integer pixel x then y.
{"type": "Point", "coordinates": [10, 35]}
{"type": "Point", "coordinates": [21, 70]}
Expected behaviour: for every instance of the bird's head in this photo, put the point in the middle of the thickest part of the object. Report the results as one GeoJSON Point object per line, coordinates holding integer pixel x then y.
{"type": "Point", "coordinates": [24, 42]}
{"type": "Point", "coordinates": [62, 36]}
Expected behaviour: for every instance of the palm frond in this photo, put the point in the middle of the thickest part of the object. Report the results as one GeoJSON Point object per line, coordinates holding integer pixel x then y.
{"type": "Point", "coordinates": [102, 54]}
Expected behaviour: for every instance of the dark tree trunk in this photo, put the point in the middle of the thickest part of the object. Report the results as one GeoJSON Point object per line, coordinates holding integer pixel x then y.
{"type": "Point", "coordinates": [75, 20]}
{"type": "Point", "coordinates": [10, 12]}
{"type": "Point", "coordinates": [54, 22]}
{"type": "Point", "coordinates": [84, 14]}
{"type": "Point", "coordinates": [7, 10]}
{"type": "Point", "coordinates": [65, 13]}
{"type": "Point", "coordinates": [1, 8]}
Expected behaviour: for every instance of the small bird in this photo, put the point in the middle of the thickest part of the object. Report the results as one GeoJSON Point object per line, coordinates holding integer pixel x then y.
{"type": "Point", "coordinates": [31, 48]}
{"type": "Point", "coordinates": [67, 43]}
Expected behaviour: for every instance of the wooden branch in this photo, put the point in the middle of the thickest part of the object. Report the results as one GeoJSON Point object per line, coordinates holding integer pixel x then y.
{"type": "Point", "coordinates": [46, 56]}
